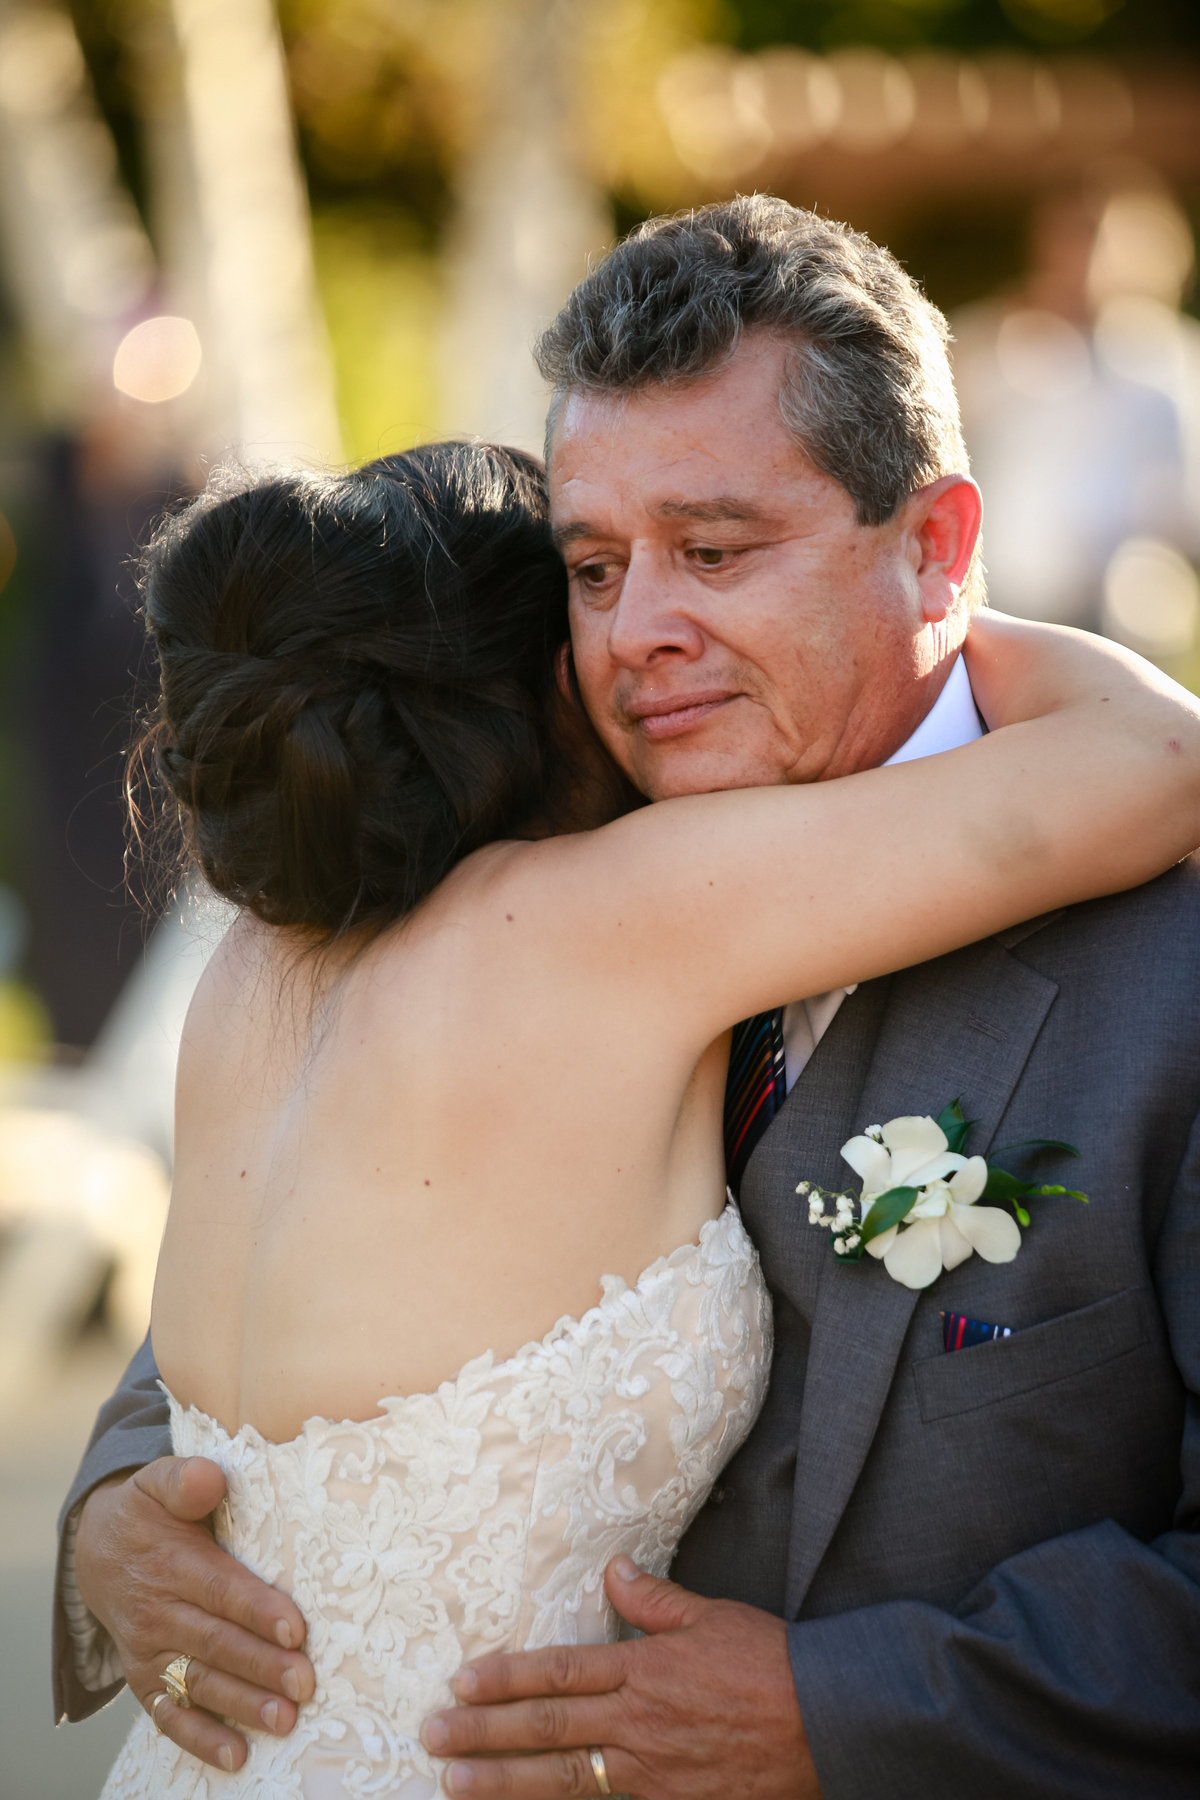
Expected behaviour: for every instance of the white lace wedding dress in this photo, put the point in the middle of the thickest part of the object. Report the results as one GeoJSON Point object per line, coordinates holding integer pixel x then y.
{"type": "Point", "coordinates": [476, 1518]}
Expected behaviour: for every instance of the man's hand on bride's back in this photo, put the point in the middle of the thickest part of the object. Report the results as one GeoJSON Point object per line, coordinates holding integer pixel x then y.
{"type": "Point", "coordinates": [148, 1568]}
{"type": "Point", "coordinates": [700, 1708]}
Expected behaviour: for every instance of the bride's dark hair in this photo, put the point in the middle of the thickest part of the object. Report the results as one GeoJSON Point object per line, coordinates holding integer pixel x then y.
{"type": "Point", "coordinates": [357, 673]}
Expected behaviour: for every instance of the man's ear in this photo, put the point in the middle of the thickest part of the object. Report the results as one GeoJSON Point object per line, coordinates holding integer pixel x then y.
{"type": "Point", "coordinates": [944, 529]}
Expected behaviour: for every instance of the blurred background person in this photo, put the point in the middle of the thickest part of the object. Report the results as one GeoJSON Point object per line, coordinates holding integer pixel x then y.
{"type": "Point", "coordinates": [1080, 391]}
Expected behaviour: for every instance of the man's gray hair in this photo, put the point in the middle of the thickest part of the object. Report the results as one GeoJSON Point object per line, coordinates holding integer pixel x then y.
{"type": "Point", "coordinates": [867, 392]}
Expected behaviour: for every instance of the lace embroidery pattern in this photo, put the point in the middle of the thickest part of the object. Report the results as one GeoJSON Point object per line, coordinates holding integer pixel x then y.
{"type": "Point", "coordinates": [478, 1517]}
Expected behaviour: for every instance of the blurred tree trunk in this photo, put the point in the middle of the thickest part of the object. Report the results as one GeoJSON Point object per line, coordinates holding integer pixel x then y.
{"type": "Point", "coordinates": [528, 219]}
{"type": "Point", "coordinates": [232, 216]}
{"type": "Point", "coordinates": [75, 257]}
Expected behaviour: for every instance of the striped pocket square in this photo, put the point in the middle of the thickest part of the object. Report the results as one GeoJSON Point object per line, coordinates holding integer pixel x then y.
{"type": "Point", "coordinates": [959, 1332]}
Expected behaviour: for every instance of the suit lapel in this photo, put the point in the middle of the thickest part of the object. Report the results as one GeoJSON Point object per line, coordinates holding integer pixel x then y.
{"type": "Point", "coordinates": [963, 1026]}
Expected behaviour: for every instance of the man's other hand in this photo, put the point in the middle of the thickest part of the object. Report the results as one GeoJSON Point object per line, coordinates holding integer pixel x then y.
{"type": "Point", "coordinates": [701, 1708]}
{"type": "Point", "coordinates": [149, 1570]}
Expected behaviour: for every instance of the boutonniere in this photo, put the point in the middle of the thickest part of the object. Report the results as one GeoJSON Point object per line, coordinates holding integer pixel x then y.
{"type": "Point", "coordinates": [919, 1211]}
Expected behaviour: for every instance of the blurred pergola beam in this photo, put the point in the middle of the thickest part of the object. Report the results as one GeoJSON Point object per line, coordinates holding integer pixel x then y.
{"type": "Point", "coordinates": [865, 135]}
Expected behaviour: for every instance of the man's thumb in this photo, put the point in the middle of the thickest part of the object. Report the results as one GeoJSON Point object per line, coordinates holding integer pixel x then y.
{"type": "Point", "coordinates": [647, 1603]}
{"type": "Point", "coordinates": [188, 1487]}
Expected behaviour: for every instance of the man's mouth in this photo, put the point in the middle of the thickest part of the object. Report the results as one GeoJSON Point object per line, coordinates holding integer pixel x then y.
{"type": "Point", "coordinates": [677, 713]}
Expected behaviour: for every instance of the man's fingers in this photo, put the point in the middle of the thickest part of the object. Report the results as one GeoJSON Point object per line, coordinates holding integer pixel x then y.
{"type": "Point", "coordinates": [523, 1675]}
{"type": "Point", "coordinates": [649, 1603]}
{"type": "Point", "coordinates": [189, 1487]}
{"type": "Point", "coordinates": [150, 1534]}
{"type": "Point", "coordinates": [218, 1584]}
{"type": "Point", "coordinates": [548, 1723]}
{"type": "Point", "coordinates": [566, 1775]}
{"type": "Point", "coordinates": [238, 1702]}
{"type": "Point", "coordinates": [197, 1732]}
{"type": "Point", "coordinates": [233, 1651]}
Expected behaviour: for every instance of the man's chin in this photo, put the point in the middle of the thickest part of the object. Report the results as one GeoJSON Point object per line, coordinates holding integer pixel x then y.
{"type": "Point", "coordinates": [673, 778]}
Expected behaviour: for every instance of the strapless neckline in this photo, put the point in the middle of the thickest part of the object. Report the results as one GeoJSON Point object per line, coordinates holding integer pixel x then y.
{"type": "Point", "coordinates": [569, 1326]}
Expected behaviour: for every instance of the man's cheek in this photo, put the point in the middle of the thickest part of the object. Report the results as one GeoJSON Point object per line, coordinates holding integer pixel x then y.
{"type": "Point", "coordinates": [623, 747]}
{"type": "Point", "coordinates": [595, 676]}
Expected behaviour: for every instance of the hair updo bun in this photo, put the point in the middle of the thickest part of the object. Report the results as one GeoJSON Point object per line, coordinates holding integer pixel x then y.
{"type": "Point", "coordinates": [355, 676]}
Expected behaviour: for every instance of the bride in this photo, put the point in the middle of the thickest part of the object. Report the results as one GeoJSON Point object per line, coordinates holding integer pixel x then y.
{"type": "Point", "coordinates": [451, 1288]}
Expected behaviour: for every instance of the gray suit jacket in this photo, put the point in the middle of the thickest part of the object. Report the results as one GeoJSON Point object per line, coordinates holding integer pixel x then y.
{"type": "Point", "coordinates": [989, 1560]}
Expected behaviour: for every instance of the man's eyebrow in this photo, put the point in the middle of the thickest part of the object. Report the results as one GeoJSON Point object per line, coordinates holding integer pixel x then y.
{"type": "Point", "coordinates": [720, 511]}
{"type": "Point", "coordinates": [570, 534]}
{"type": "Point", "coordinates": [724, 510]}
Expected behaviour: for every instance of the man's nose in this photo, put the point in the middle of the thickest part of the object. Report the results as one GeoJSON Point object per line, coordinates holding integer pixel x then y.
{"type": "Point", "coordinates": [650, 622]}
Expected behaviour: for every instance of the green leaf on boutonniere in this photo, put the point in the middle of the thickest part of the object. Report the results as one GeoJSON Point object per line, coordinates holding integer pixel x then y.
{"type": "Point", "coordinates": [955, 1126]}
{"type": "Point", "coordinates": [1066, 1192]}
{"type": "Point", "coordinates": [1003, 1186]}
{"type": "Point", "coordinates": [886, 1211]}
{"type": "Point", "coordinates": [1006, 1187]}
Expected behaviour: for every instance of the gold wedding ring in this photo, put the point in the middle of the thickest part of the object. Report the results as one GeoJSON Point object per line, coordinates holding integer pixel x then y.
{"type": "Point", "coordinates": [154, 1706]}
{"type": "Point", "coordinates": [596, 1758]}
{"type": "Point", "coordinates": [175, 1680]}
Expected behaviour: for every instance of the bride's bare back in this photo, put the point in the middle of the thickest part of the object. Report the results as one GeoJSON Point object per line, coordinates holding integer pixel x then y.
{"type": "Point", "coordinates": [388, 1164]}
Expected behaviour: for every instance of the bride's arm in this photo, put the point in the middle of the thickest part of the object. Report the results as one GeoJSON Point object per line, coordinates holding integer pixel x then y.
{"type": "Point", "coordinates": [1022, 671]}
{"type": "Point", "coordinates": [722, 904]}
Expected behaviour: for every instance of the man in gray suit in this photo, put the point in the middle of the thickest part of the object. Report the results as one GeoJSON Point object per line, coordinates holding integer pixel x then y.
{"type": "Point", "coordinates": [932, 1569]}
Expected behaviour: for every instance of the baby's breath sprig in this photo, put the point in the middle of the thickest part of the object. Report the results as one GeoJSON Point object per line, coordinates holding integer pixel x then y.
{"type": "Point", "coordinates": [842, 1219]}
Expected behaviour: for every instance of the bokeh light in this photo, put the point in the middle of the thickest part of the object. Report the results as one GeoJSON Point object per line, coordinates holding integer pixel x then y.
{"type": "Point", "coordinates": [1152, 599]}
{"type": "Point", "coordinates": [1041, 355]}
{"type": "Point", "coordinates": [158, 360]}
{"type": "Point", "coordinates": [1144, 246]}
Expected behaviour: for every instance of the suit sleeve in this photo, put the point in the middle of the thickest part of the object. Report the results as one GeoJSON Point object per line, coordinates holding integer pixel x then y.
{"type": "Point", "coordinates": [1072, 1669]}
{"type": "Point", "coordinates": [132, 1428]}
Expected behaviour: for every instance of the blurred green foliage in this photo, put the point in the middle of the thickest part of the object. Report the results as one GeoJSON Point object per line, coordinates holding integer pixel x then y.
{"type": "Point", "coordinates": [381, 292]}
{"type": "Point", "coordinates": [25, 1029]}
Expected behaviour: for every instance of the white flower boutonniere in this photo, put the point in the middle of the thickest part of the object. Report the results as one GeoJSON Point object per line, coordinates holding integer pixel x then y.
{"type": "Point", "coordinates": [919, 1209]}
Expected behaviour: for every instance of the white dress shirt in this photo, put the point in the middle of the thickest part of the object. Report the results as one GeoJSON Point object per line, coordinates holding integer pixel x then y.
{"type": "Point", "coordinates": [952, 720]}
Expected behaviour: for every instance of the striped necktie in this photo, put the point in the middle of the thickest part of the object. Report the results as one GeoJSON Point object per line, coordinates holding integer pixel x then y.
{"type": "Point", "coordinates": [755, 1090]}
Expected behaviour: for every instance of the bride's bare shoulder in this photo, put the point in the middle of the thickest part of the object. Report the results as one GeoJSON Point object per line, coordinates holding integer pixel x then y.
{"type": "Point", "coordinates": [258, 987]}
{"type": "Point", "coordinates": [247, 954]}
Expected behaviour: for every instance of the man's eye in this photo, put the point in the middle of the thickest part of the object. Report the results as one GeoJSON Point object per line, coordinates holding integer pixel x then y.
{"type": "Point", "coordinates": [593, 574]}
{"type": "Point", "coordinates": [709, 556]}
